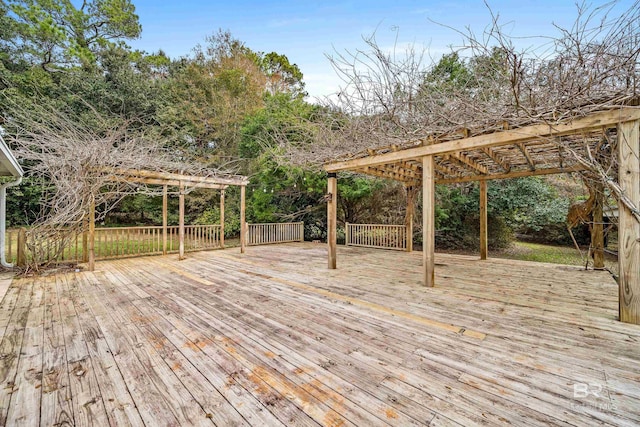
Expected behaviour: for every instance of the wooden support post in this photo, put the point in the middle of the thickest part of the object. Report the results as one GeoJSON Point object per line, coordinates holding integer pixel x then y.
{"type": "Point", "coordinates": [332, 218]}
{"type": "Point", "coordinates": [181, 222]}
{"type": "Point", "coordinates": [21, 260]}
{"type": "Point", "coordinates": [165, 204]}
{"type": "Point", "coordinates": [222, 218]}
{"type": "Point", "coordinates": [85, 240]}
{"type": "Point", "coordinates": [412, 192]}
{"type": "Point", "coordinates": [92, 234]}
{"type": "Point", "coordinates": [597, 230]}
{"type": "Point", "coordinates": [428, 219]}
{"type": "Point", "coordinates": [243, 223]}
{"type": "Point", "coordinates": [484, 241]}
{"type": "Point", "coordinates": [628, 225]}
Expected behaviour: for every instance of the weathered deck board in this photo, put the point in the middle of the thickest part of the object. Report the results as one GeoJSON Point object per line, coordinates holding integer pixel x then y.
{"type": "Point", "coordinates": [55, 406]}
{"type": "Point", "coordinates": [11, 347]}
{"type": "Point", "coordinates": [28, 382]}
{"type": "Point", "coordinates": [279, 372]}
{"type": "Point", "coordinates": [117, 400]}
{"type": "Point", "coordinates": [86, 399]}
{"type": "Point", "coordinates": [272, 337]}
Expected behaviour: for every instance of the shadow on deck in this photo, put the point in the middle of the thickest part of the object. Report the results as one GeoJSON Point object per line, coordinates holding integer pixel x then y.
{"type": "Point", "coordinates": [274, 338]}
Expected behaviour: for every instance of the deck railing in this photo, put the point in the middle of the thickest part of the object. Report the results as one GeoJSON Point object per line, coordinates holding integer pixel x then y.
{"type": "Point", "coordinates": [200, 237]}
{"type": "Point", "coordinates": [376, 236]}
{"type": "Point", "coordinates": [112, 243]}
{"type": "Point", "coordinates": [122, 242]}
{"type": "Point", "coordinates": [266, 234]}
{"type": "Point", "coordinates": [61, 246]}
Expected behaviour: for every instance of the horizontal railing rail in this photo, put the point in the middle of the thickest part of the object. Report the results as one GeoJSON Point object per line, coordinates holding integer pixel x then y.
{"type": "Point", "coordinates": [269, 233]}
{"type": "Point", "coordinates": [376, 236]}
{"type": "Point", "coordinates": [111, 243]}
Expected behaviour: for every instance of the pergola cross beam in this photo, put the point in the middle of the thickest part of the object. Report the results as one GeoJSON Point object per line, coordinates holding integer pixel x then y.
{"type": "Point", "coordinates": [497, 159]}
{"type": "Point", "coordinates": [467, 162]}
{"type": "Point", "coordinates": [607, 119]}
{"type": "Point", "coordinates": [527, 155]}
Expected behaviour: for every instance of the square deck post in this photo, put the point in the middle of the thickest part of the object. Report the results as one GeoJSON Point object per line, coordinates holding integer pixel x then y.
{"type": "Point", "coordinates": [332, 217]}
{"type": "Point", "coordinates": [428, 219]}
{"type": "Point", "coordinates": [597, 230]}
{"type": "Point", "coordinates": [408, 220]}
{"type": "Point", "coordinates": [243, 223]}
{"type": "Point", "coordinates": [92, 234]}
{"type": "Point", "coordinates": [181, 222]}
{"type": "Point", "coordinates": [165, 204]}
{"type": "Point", "coordinates": [222, 218]}
{"type": "Point", "coordinates": [628, 225]}
{"type": "Point", "coordinates": [484, 240]}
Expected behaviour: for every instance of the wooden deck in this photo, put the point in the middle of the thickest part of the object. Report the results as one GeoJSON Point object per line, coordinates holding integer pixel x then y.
{"type": "Point", "coordinates": [273, 338]}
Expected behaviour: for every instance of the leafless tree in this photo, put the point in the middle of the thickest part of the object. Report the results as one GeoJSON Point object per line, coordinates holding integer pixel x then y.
{"type": "Point", "coordinates": [389, 99]}
{"type": "Point", "coordinates": [72, 160]}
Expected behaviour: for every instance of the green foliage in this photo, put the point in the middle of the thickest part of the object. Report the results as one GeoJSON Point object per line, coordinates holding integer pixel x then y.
{"type": "Point", "coordinates": [531, 206]}
{"type": "Point", "coordinates": [290, 194]}
{"type": "Point", "coordinates": [527, 206]}
{"type": "Point", "coordinates": [281, 113]}
{"type": "Point", "coordinates": [142, 209]}
{"type": "Point", "coordinates": [56, 33]}
{"type": "Point", "coordinates": [477, 77]}
{"type": "Point", "coordinates": [451, 72]}
{"type": "Point", "coordinates": [23, 203]}
{"type": "Point", "coordinates": [211, 94]}
{"type": "Point", "coordinates": [231, 219]}
{"type": "Point", "coordinates": [283, 76]}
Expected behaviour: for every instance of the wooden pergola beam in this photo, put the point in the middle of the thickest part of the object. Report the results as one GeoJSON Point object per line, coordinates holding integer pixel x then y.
{"type": "Point", "coordinates": [381, 173]}
{"type": "Point", "coordinates": [173, 183]}
{"type": "Point", "coordinates": [527, 155]}
{"type": "Point", "coordinates": [528, 133]}
{"type": "Point", "coordinates": [516, 174]}
{"type": "Point", "coordinates": [497, 159]}
{"type": "Point", "coordinates": [169, 176]}
{"type": "Point", "coordinates": [407, 169]}
{"type": "Point", "coordinates": [444, 170]}
{"type": "Point", "coordinates": [467, 162]}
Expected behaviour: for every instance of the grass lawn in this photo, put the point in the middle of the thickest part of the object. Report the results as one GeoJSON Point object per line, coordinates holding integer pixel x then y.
{"type": "Point", "coordinates": [535, 252]}
{"type": "Point", "coordinates": [543, 253]}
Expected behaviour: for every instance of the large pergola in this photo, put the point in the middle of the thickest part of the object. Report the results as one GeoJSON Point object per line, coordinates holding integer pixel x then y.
{"type": "Point", "coordinates": [183, 182]}
{"type": "Point", "coordinates": [539, 149]}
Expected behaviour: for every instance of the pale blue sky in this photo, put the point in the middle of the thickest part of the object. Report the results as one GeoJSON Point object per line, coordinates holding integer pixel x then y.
{"type": "Point", "coordinates": [307, 30]}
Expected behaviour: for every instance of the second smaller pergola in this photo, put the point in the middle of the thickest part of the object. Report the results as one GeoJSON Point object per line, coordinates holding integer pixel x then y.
{"type": "Point", "coordinates": [182, 181]}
